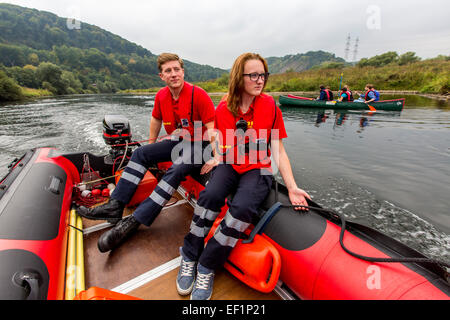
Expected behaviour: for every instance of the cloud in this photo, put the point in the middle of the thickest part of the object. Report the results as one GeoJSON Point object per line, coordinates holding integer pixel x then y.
{"type": "Point", "coordinates": [215, 32]}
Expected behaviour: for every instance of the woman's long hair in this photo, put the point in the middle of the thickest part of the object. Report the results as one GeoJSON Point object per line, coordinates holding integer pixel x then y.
{"type": "Point", "coordinates": [236, 84]}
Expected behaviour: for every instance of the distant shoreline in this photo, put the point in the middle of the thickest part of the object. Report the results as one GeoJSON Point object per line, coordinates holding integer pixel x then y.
{"type": "Point", "coordinates": [434, 96]}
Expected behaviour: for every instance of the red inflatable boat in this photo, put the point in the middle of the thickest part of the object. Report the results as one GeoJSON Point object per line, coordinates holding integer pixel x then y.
{"type": "Point", "coordinates": [35, 199]}
{"type": "Point", "coordinates": [309, 252]}
{"type": "Point", "coordinates": [314, 265]}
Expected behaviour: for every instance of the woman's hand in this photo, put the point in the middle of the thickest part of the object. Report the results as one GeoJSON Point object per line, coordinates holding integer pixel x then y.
{"type": "Point", "coordinates": [209, 165]}
{"type": "Point", "coordinates": [298, 196]}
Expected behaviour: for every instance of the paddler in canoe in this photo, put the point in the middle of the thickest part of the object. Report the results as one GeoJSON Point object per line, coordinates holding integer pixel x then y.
{"type": "Point", "coordinates": [371, 95]}
{"type": "Point", "coordinates": [346, 95]}
{"type": "Point", "coordinates": [325, 94]}
{"type": "Point", "coordinates": [247, 172]}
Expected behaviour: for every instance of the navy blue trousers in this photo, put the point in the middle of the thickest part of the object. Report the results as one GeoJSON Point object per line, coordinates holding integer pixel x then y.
{"type": "Point", "coordinates": [188, 158]}
{"type": "Point", "coordinates": [251, 188]}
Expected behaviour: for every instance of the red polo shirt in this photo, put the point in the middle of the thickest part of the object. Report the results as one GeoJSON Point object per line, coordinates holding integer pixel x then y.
{"type": "Point", "coordinates": [203, 105]}
{"type": "Point", "coordinates": [225, 120]}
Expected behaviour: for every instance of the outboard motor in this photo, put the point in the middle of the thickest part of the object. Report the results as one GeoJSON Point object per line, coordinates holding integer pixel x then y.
{"type": "Point", "coordinates": [117, 134]}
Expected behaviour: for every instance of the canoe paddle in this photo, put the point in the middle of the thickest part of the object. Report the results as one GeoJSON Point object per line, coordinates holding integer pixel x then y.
{"type": "Point", "coordinates": [372, 108]}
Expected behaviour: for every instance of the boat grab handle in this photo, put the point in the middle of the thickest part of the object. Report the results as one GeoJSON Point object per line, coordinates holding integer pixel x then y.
{"type": "Point", "coordinates": [28, 280]}
{"type": "Point", "coordinates": [54, 185]}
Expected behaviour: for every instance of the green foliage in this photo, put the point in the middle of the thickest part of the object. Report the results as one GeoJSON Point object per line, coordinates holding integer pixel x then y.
{"type": "Point", "coordinates": [198, 72]}
{"type": "Point", "coordinates": [51, 75]}
{"type": "Point", "coordinates": [440, 84]}
{"type": "Point", "coordinates": [42, 30]}
{"type": "Point", "coordinates": [33, 59]}
{"type": "Point", "coordinates": [48, 86]}
{"type": "Point", "coordinates": [9, 90]}
{"type": "Point", "coordinates": [223, 80]}
{"type": "Point", "coordinates": [218, 85]}
{"type": "Point", "coordinates": [88, 60]}
{"type": "Point", "coordinates": [379, 60]}
{"type": "Point", "coordinates": [407, 58]}
{"type": "Point", "coordinates": [330, 65]}
{"type": "Point", "coordinates": [71, 82]}
{"type": "Point", "coordinates": [35, 93]}
{"type": "Point", "coordinates": [25, 77]}
{"type": "Point", "coordinates": [11, 56]}
{"type": "Point", "coordinates": [389, 58]}
{"type": "Point", "coordinates": [428, 76]}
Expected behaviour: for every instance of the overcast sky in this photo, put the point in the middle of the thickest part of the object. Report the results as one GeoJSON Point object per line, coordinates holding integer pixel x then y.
{"type": "Point", "coordinates": [215, 32]}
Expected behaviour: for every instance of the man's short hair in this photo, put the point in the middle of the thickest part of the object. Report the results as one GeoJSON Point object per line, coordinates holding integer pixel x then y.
{"type": "Point", "coordinates": [166, 57]}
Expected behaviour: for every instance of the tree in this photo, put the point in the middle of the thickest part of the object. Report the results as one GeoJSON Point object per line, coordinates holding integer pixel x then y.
{"type": "Point", "coordinates": [47, 86]}
{"type": "Point", "coordinates": [11, 55]}
{"type": "Point", "coordinates": [96, 59]}
{"type": "Point", "coordinates": [25, 76]}
{"type": "Point", "coordinates": [9, 90]}
{"type": "Point", "coordinates": [48, 72]}
{"type": "Point", "coordinates": [72, 82]}
{"type": "Point", "coordinates": [33, 59]}
{"type": "Point", "coordinates": [407, 58]}
{"type": "Point", "coordinates": [379, 60]}
{"type": "Point", "coordinates": [223, 80]}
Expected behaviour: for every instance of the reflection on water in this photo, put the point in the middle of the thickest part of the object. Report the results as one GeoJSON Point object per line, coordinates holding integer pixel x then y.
{"type": "Point", "coordinates": [388, 170]}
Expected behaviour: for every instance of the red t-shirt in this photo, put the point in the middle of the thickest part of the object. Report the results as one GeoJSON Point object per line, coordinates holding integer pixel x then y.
{"type": "Point", "coordinates": [203, 105]}
{"type": "Point", "coordinates": [224, 121]}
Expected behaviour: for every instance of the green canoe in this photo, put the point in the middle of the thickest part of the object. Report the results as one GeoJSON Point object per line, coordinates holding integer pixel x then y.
{"type": "Point", "coordinates": [302, 102]}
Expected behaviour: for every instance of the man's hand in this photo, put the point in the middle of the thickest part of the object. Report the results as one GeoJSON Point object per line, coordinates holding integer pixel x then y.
{"type": "Point", "coordinates": [209, 165]}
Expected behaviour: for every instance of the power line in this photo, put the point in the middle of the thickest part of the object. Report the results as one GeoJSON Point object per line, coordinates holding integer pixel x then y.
{"type": "Point", "coordinates": [347, 47]}
{"type": "Point", "coordinates": [355, 50]}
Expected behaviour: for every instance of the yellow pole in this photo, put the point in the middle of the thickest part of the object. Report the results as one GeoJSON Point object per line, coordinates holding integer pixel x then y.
{"type": "Point", "coordinates": [71, 259]}
{"type": "Point", "coordinates": [80, 256]}
{"type": "Point", "coordinates": [75, 280]}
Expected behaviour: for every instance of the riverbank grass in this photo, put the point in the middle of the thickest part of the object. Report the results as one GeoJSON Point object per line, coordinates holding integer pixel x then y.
{"type": "Point", "coordinates": [29, 93]}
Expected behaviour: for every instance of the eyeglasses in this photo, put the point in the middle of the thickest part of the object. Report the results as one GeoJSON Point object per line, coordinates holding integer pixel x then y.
{"type": "Point", "coordinates": [255, 76]}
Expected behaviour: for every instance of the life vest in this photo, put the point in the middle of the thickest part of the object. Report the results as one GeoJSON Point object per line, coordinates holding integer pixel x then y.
{"type": "Point", "coordinates": [185, 110]}
{"type": "Point", "coordinates": [377, 95]}
{"type": "Point", "coordinates": [257, 137]}
{"type": "Point", "coordinates": [329, 94]}
{"type": "Point", "coordinates": [366, 96]}
{"type": "Point", "coordinates": [349, 95]}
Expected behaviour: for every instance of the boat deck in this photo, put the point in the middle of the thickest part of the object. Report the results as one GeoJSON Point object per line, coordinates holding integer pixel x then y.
{"type": "Point", "coordinates": [146, 265]}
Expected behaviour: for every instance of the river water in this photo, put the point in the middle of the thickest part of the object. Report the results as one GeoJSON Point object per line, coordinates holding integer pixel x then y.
{"type": "Point", "coordinates": [387, 170]}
